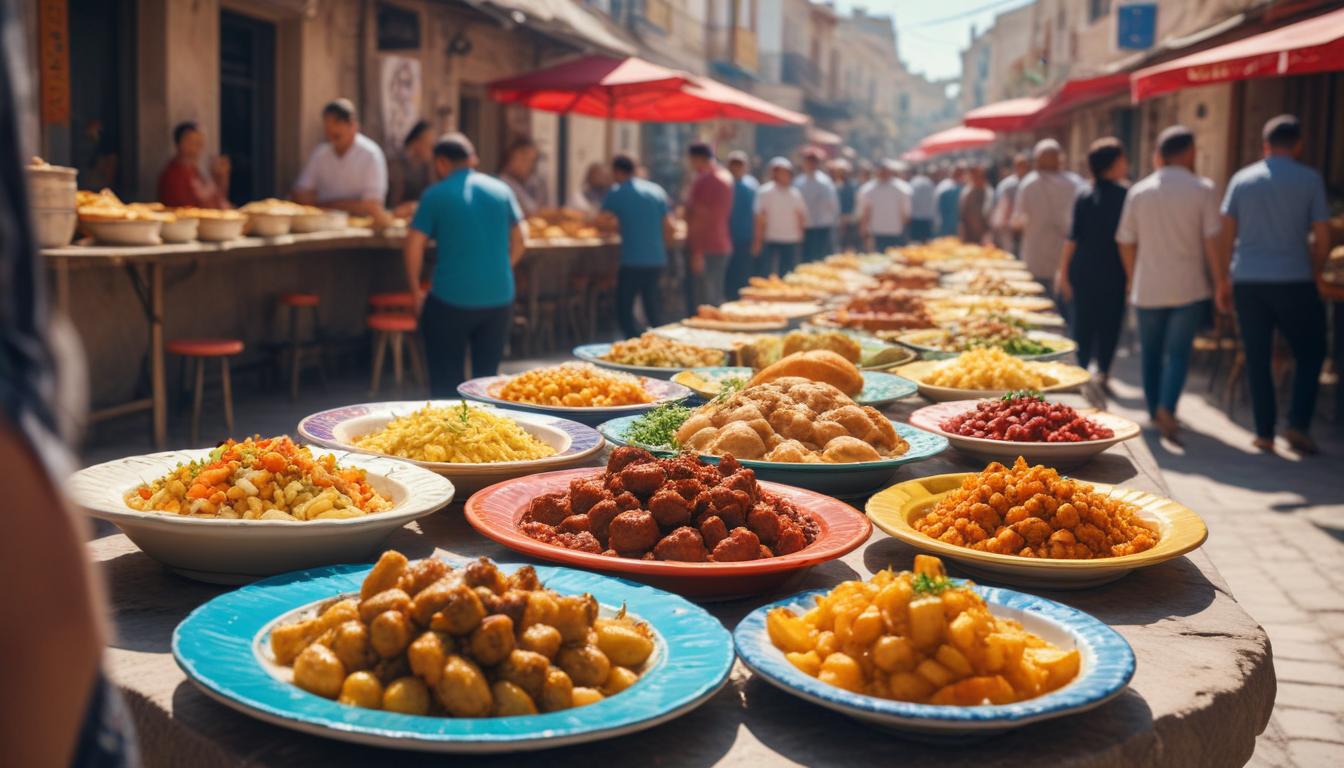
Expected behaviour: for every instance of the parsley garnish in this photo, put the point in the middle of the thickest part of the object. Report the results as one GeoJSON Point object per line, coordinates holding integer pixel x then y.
{"type": "Point", "coordinates": [728, 386]}
{"type": "Point", "coordinates": [658, 428]}
{"type": "Point", "coordinates": [1027, 394]}
{"type": "Point", "coordinates": [925, 584]}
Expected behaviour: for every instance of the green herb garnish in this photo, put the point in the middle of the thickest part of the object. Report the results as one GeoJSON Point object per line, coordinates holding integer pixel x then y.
{"type": "Point", "coordinates": [728, 386]}
{"type": "Point", "coordinates": [658, 428]}
{"type": "Point", "coordinates": [925, 584]}
{"type": "Point", "coordinates": [1028, 394]}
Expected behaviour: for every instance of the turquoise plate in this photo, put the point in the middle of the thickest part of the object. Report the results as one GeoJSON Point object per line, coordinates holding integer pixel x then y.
{"type": "Point", "coordinates": [483, 390]}
{"type": "Point", "coordinates": [879, 388]}
{"type": "Point", "coordinates": [592, 353]}
{"type": "Point", "coordinates": [223, 648]}
{"type": "Point", "coordinates": [845, 481]}
{"type": "Point", "coordinates": [1107, 666]}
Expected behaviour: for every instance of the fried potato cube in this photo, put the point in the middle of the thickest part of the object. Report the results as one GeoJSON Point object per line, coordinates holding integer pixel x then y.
{"type": "Point", "coordinates": [586, 665]}
{"type": "Point", "coordinates": [618, 679]}
{"type": "Point", "coordinates": [624, 644]}
{"type": "Point", "coordinates": [893, 600]}
{"type": "Point", "coordinates": [893, 653]}
{"type": "Point", "coordinates": [511, 700]}
{"type": "Point", "coordinates": [574, 615]}
{"type": "Point", "coordinates": [1026, 678]}
{"type": "Point", "coordinates": [930, 566]}
{"type": "Point", "coordinates": [583, 696]}
{"type": "Point", "coordinates": [317, 670]}
{"type": "Point", "coordinates": [525, 669]}
{"type": "Point", "coordinates": [557, 692]}
{"type": "Point", "coordinates": [842, 671]}
{"type": "Point", "coordinates": [908, 686]}
{"type": "Point", "coordinates": [541, 609]}
{"type": "Point", "coordinates": [788, 632]}
{"type": "Point", "coordinates": [937, 674]}
{"type": "Point", "coordinates": [392, 599]}
{"type": "Point", "coordinates": [385, 575]}
{"type": "Point", "coordinates": [407, 695]}
{"type": "Point", "coordinates": [1060, 665]}
{"type": "Point", "coordinates": [460, 614]}
{"type": "Point", "coordinates": [963, 632]}
{"type": "Point", "coordinates": [492, 640]}
{"type": "Point", "coordinates": [974, 691]}
{"type": "Point", "coordinates": [809, 662]}
{"type": "Point", "coordinates": [362, 689]}
{"type": "Point", "coordinates": [462, 689]}
{"type": "Point", "coordinates": [827, 644]}
{"type": "Point", "coordinates": [427, 654]}
{"type": "Point", "coordinates": [541, 638]}
{"type": "Point", "coordinates": [389, 633]}
{"type": "Point", "coordinates": [954, 660]}
{"type": "Point", "coordinates": [926, 621]}
{"type": "Point", "coordinates": [350, 642]}
{"type": "Point", "coordinates": [867, 626]}
{"type": "Point", "coordinates": [288, 641]}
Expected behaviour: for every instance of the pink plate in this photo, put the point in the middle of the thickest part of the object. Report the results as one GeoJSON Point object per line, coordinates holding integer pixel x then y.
{"type": "Point", "coordinates": [1058, 455]}
{"type": "Point", "coordinates": [496, 510]}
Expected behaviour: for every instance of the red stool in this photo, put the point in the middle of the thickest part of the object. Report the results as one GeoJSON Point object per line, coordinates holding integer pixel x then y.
{"type": "Point", "coordinates": [393, 328]}
{"type": "Point", "coordinates": [392, 302]}
{"type": "Point", "coordinates": [195, 352]}
{"type": "Point", "coordinates": [302, 351]}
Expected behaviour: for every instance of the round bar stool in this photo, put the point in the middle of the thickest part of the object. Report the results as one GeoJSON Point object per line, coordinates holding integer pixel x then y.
{"type": "Point", "coordinates": [395, 301]}
{"type": "Point", "coordinates": [397, 330]}
{"type": "Point", "coordinates": [302, 351]}
{"type": "Point", "coordinates": [195, 352]}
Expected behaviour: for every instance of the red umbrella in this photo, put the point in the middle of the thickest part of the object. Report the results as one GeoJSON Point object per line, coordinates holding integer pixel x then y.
{"type": "Point", "coordinates": [706, 99]}
{"type": "Point", "coordinates": [955, 138]}
{"type": "Point", "coordinates": [599, 86]}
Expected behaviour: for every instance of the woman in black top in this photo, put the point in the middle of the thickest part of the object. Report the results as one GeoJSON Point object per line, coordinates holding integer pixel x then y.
{"type": "Point", "coordinates": [1091, 275]}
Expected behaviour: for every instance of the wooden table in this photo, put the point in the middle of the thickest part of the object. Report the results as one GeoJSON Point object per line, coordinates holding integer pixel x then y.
{"type": "Point", "coordinates": [1203, 690]}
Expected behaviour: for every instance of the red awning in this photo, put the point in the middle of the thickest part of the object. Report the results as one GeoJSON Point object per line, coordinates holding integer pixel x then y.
{"type": "Point", "coordinates": [955, 138]}
{"type": "Point", "coordinates": [1009, 115]}
{"type": "Point", "coordinates": [706, 99]}
{"type": "Point", "coordinates": [1312, 45]}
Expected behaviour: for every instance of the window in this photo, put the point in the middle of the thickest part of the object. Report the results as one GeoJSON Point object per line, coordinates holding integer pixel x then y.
{"type": "Point", "coordinates": [1097, 9]}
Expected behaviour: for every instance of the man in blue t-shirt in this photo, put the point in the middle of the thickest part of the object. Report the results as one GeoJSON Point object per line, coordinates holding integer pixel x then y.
{"type": "Point", "coordinates": [1270, 209]}
{"type": "Point", "coordinates": [641, 209]}
{"type": "Point", "coordinates": [741, 222]}
{"type": "Point", "coordinates": [476, 225]}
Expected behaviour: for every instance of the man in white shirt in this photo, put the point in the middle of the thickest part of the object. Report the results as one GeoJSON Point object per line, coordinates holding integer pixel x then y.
{"type": "Point", "coordinates": [1042, 209]}
{"type": "Point", "coordinates": [1168, 238]}
{"type": "Point", "coordinates": [823, 207]}
{"type": "Point", "coordinates": [923, 207]}
{"type": "Point", "coordinates": [347, 172]}
{"type": "Point", "coordinates": [1005, 194]}
{"type": "Point", "coordinates": [884, 208]}
{"type": "Point", "coordinates": [781, 217]}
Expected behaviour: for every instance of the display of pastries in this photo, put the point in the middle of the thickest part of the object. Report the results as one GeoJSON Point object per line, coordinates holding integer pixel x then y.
{"type": "Point", "coordinates": [654, 351]}
{"type": "Point", "coordinates": [815, 365]}
{"type": "Point", "coordinates": [106, 206]}
{"type": "Point", "coordinates": [763, 351]}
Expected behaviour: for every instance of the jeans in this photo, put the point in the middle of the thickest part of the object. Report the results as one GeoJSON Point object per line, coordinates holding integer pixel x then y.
{"type": "Point", "coordinates": [777, 259]}
{"type": "Point", "coordinates": [739, 270]}
{"type": "Point", "coordinates": [921, 230]}
{"type": "Point", "coordinates": [818, 243]}
{"type": "Point", "coordinates": [882, 242]}
{"type": "Point", "coordinates": [644, 282]}
{"type": "Point", "coordinates": [449, 329]}
{"type": "Point", "coordinates": [1098, 312]}
{"type": "Point", "coordinates": [1165, 337]}
{"type": "Point", "coordinates": [707, 287]}
{"type": "Point", "coordinates": [1296, 310]}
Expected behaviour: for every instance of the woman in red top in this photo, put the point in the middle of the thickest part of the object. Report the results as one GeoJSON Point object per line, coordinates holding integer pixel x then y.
{"type": "Point", "coordinates": [181, 183]}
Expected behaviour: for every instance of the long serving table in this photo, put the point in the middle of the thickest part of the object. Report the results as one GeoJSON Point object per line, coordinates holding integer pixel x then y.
{"type": "Point", "coordinates": [1204, 686]}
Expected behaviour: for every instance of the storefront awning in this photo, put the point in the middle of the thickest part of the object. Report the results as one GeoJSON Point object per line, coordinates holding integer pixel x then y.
{"type": "Point", "coordinates": [823, 137]}
{"type": "Point", "coordinates": [1312, 45]}
{"type": "Point", "coordinates": [956, 138]}
{"type": "Point", "coordinates": [1009, 115]}
{"type": "Point", "coordinates": [561, 18]}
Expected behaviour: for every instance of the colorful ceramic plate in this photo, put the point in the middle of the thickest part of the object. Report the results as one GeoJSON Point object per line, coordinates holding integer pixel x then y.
{"type": "Point", "coordinates": [495, 512]}
{"type": "Point", "coordinates": [1180, 530]}
{"type": "Point", "coordinates": [484, 390]}
{"type": "Point", "coordinates": [572, 442]}
{"type": "Point", "coordinates": [225, 551]}
{"type": "Point", "coordinates": [846, 481]}
{"type": "Point", "coordinates": [1067, 377]}
{"type": "Point", "coordinates": [744, 326]}
{"type": "Point", "coordinates": [924, 342]}
{"type": "Point", "coordinates": [1053, 454]}
{"type": "Point", "coordinates": [223, 648]}
{"type": "Point", "coordinates": [1107, 667]}
{"type": "Point", "coordinates": [879, 388]}
{"type": "Point", "coordinates": [593, 353]}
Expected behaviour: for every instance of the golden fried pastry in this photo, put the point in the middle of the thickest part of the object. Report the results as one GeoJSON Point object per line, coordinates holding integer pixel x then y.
{"type": "Point", "coordinates": [817, 365]}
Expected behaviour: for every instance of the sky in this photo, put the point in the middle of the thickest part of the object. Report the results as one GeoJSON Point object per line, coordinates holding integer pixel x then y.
{"type": "Point", "coordinates": [932, 33]}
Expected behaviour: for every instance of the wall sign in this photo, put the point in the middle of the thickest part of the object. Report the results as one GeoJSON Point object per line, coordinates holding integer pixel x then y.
{"type": "Point", "coordinates": [1136, 26]}
{"type": "Point", "coordinates": [53, 53]}
{"type": "Point", "coordinates": [400, 84]}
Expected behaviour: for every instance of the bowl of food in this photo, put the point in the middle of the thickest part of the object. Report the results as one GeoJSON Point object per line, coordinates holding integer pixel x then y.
{"type": "Point", "coordinates": [965, 660]}
{"type": "Point", "coordinates": [123, 231]}
{"type": "Point", "coordinates": [990, 373]}
{"type": "Point", "coordinates": [579, 391]}
{"type": "Point", "coordinates": [272, 217]}
{"type": "Point", "coordinates": [1025, 424]}
{"type": "Point", "coordinates": [216, 225]}
{"type": "Point", "coordinates": [599, 657]}
{"type": "Point", "coordinates": [649, 355]}
{"type": "Point", "coordinates": [1003, 332]}
{"type": "Point", "coordinates": [879, 310]}
{"type": "Point", "coordinates": [873, 388]}
{"type": "Point", "coordinates": [474, 445]}
{"type": "Point", "coordinates": [309, 218]}
{"type": "Point", "coordinates": [1029, 526]}
{"type": "Point", "coordinates": [254, 508]}
{"type": "Point", "coordinates": [645, 518]}
{"type": "Point", "coordinates": [182, 229]}
{"type": "Point", "coordinates": [866, 352]}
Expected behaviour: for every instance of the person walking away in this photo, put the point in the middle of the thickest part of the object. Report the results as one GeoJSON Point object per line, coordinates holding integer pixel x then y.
{"type": "Point", "coordinates": [781, 219]}
{"type": "Point", "coordinates": [181, 182]}
{"type": "Point", "coordinates": [948, 200]}
{"type": "Point", "coordinates": [1270, 208]}
{"type": "Point", "coordinates": [477, 228]}
{"type": "Point", "coordinates": [410, 171]}
{"type": "Point", "coordinates": [1168, 244]}
{"type": "Point", "coordinates": [923, 207]}
{"type": "Point", "coordinates": [348, 171]}
{"type": "Point", "coordinates": [708, 244]}
{"type": "Point", "coordinates": [645, 220]}
{"type": "Point", "coordinates": [1091, 276]}
{"type": "Point", "coordinates": [1041, 213]}
{"type": "Point", "coordinates": [741, 223]}
{"type": "Point", "coordinates": [973, 207]}
{"type": "Point", "coordinates": [884, 208]}
{"type": "Point", "coordinates": [823, 207]}
{"type": "Point", "coordinates": [1005, 195]}
{"type": "Point", "coordinates": [846, 191]}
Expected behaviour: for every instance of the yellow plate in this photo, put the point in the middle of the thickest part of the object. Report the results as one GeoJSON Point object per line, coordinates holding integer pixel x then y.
{"type": "Point", "coordinates": [1066, 377]}
{"type": "Point", "coordinates": [1180, 530]}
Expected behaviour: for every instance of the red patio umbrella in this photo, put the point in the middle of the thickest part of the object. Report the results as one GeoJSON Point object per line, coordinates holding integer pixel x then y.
{"type": "Point", "coordinates": [955, 138]}
{"type": "Point", "coordinates": [1008, 115]}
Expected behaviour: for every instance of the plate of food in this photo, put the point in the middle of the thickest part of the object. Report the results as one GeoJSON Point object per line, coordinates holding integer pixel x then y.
{"type": "Point", "coordinates": [966, 660]}
{"type": "Point", "coordinates": [645, 518]}
{"type": "Point", "coordinates": [649, 355]}
{"type": "Point", "coordinates": [472, 444]}
{"type": "Point", "coordinates": [426, 656]}
{"type": "Point", "coordinates": [1003, 332]}
{"type": "Point", "coordinates": [248, 509]}
{"type": "Point", "coordinates": [1025, 424]}
{"type": "Point", "coordinates": [579, 391]}
{"type": "Point", "coordinates": [774, 288]}
{"type": "Point", "coordinates": [990, 373]}
{"type": "Point", "coordinates": [874, 388]}
{"type": "Point", "coordinates": [1023, 303]}
{"type": "Point", "coordinates": [866, 352]}
{"type": "Point", "coordinates": [1040, 529]}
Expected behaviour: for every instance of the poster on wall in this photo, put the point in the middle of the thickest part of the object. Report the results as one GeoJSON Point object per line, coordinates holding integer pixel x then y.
{"type": "Point", "coordinates": [401, 97]}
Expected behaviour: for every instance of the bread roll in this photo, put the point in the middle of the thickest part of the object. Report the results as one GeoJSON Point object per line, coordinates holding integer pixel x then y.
{"type": "Point", "coordinates": [817, 365]}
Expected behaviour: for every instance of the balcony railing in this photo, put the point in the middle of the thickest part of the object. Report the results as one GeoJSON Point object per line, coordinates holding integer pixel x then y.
{"type": "Point", "coordinates": [797, 69]}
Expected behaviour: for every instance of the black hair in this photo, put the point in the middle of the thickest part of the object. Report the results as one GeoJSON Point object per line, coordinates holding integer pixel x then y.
{"type": "Point", "coordinates": [453, 149]}
{"type": "Point", "coordinates": [623, 163]}
{"type": "Point", "coordinates": [1102, 155]}
{"type": "Point", "coordinates": [416, 132]}
{"type": "Point", "coordinates": [1174, 141]}
{"type": "Point", "coordinates": [701, 149]}
{"type": "Point", "coordinates": [183, 128]}
{"type": "Point", "coordinates": [1283, 132]}
{"type": "Point", "coordinates": [341, 109]}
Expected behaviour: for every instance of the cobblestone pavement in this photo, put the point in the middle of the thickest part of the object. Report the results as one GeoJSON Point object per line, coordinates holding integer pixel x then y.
{"type": "Point", "coordinates": [1276, 532]}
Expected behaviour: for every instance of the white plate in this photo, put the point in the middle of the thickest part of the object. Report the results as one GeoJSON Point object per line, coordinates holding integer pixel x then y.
{"type": "Point", "coordinates": [1056, 455]}
{"type": "Point", "coordinates": [225, 551]}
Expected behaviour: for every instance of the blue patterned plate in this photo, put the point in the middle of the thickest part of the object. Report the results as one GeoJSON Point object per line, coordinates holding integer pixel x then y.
{"type": "Point", "coordinates": [879, 388]}
{"type": "Point", "coordinates": [223, 648]}
{"type": "Point", "coordinates": [1107, 666]}
{"type": "Point", "coordinates": [846, 481]}
{"type": "Point", "coordinates": [592, 353]}
{"type": "Point", "coordinates": [484, 389]}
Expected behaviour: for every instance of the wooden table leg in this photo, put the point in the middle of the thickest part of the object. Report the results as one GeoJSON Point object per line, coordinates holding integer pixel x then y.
{"type": "Point", "coordinates": [156, 366]}
{"type": "Point", "coordinates": [63, 286]}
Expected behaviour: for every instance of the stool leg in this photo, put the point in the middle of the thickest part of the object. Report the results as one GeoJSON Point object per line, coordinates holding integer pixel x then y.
{"type": "Point", "coordinates": [417, 361]}
{"type": "Point", "coordinates": [196, 401]}
{"type": "Point", "coordinates": [294, 353]}
{"type": "Point", "coordinates": [379, 350]}
{"type": "Point", "coordinates": [227, 386]}
{"type": "Point", "coordinates": [396, 358]}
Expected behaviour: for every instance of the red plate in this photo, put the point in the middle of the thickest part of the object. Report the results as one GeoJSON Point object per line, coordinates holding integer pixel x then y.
{"type": "Point", "coordinates": [496, 510]}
